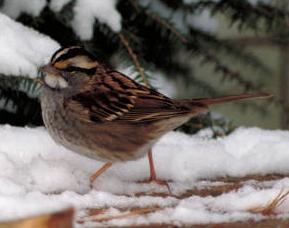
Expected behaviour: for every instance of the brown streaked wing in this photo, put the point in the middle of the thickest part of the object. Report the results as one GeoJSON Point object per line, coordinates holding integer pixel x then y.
{"type": "Point", "coordinates": [104, 98]}
{"type": "Point", "coordinates": [153, 107]}
{"type": "Point", "coordinates": [113, 96]}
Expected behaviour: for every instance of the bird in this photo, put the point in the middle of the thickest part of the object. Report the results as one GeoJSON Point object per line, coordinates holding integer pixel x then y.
{"type": "Point", "coordinates": [101, 113]}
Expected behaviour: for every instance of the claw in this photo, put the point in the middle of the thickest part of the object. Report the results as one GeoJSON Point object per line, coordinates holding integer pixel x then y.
{"type": "Point", "coordinates": [159, 182]}
{"type": "Point", "coordinates": [153, 176]}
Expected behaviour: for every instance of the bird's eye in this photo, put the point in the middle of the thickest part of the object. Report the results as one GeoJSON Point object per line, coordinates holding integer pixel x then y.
{"type": "Point", "coordinates": [65, 75]}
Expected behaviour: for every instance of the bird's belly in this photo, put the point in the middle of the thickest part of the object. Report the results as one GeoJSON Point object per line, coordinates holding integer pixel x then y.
{"type": "Point", "coordinates": [103, 141]}
{"type": "Point", "coordinates": [100, 142]}
{"type": "Point", "coordinates": [93, 146]}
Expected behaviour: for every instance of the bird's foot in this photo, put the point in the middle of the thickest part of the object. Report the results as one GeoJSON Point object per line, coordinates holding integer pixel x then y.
{"type": "Point", "coordinates": [153, 177]}
{"type": "Point", "coordinates": [159, 182]}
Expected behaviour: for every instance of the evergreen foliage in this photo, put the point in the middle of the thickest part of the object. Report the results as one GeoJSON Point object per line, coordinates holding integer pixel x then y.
{"type": "Point", "coordinates": [151, 39]}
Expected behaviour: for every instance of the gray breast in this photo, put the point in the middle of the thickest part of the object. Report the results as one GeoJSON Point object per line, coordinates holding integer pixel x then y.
{"type": "Point", "coordinates": [66, 130]}
{"type": "Point", "coordinates": [101, 141]}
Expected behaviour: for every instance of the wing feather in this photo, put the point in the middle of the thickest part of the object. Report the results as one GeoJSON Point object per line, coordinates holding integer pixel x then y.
{"type": "Point", "coordinates": [112, 96]}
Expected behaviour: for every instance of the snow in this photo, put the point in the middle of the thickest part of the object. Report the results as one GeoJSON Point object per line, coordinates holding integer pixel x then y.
{"type": "Point", "coordinates": [201, 20]}
{"type": "Point", "coordinates": [38, 176]}
{"type": "Point", "coordinates": [23, 49]}
{"type": "Point", "coordinates": [204, 21]}
{"type": "Point", "coordinates": [86, 11]}
{"type": "Point", "coordinates": [14, 8]}
{"type": "Point", "coordinates": [57, 5]}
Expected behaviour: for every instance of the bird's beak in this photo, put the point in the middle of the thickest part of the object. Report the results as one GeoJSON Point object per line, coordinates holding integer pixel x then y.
{"type": "Point", "coordinates": [51, 76]}
{"type": "Point", "coordinates": [42, 71]}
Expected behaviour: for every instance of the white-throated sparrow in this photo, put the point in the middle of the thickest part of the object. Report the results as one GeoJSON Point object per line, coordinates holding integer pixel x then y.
{"type": "Point", "coordinates": [102, 114]}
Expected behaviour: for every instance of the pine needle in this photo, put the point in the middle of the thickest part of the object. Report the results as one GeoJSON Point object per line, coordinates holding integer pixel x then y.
{"type": "Point", "coordinates": [134, 57]}
{"type": "Point", "coordinates": [269, 208]}
{"type": "Point", "coordinates": [163, 23]}
{"type": "Point", "coordinates": [103, 217]}
{"type": "Point", "coordinates": [167, 26]}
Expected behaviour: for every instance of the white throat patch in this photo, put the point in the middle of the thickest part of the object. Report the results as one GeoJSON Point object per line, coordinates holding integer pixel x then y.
{"type": "Point", "coordinates": [55, 82]}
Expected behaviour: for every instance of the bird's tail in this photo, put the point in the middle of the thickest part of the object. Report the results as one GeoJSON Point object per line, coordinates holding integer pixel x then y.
{"type": "Point", "coordinates": [224, 99]}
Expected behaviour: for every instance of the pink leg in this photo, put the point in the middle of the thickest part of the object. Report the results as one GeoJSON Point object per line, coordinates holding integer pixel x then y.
{"type": "Point", "coordinates": [153, 176]}
{"type": "Point", "coordinates": [100, 171]}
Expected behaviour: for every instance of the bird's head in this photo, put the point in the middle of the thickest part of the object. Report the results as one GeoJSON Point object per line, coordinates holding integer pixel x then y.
{"type": "Point", "coordinates": [66, 63]}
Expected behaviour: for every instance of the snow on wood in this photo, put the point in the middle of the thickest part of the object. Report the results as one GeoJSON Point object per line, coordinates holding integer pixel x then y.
{"type": "Point", "coordinates": [38, 176]}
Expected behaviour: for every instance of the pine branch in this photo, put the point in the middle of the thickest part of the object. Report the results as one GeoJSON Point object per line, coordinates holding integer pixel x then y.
{"type": "Point", "coordinates": [134, 57]}
{"type": "Point", "coordinates": [163, 23]}
{"type": "Point", "coordinates": [27, 109]}
{"type": "Point", "coordinates": [243, 12]}
{"type": "Point", "coordinates": [205, 87]}
{"type": "Point", "coordinates": [201, 43]}
{"type": "Point", "coordinates": [20, 83]}
{"type": "Point", "coordinates": [208, 42]}
{"type": "Point", "coordinates": [226, 71]}
{"type": "Point", "coordinates": [150, 41]}
{"type": "Point", "coordinates": [19, 93]}
{"type": "Point", "coordinates": [54, 25]}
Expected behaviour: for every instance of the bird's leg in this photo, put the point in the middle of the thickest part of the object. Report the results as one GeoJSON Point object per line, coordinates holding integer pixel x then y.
{"type": "Point", "coordinates": [99, 172]}
{"type": "Point", "coordinates": [153, 176]}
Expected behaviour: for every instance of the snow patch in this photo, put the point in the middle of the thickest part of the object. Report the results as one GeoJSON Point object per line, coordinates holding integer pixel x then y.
{"type": "Point", "coordinates": [23, 49]}
{"type": "Point", "coordinates": [37, 175]}
{"type": "Point", "coordinates": [86, 11]}
{"type": "Point", "coordinates": [14, 8]}
{"type": "Point", "coordinates": [57, 5]}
